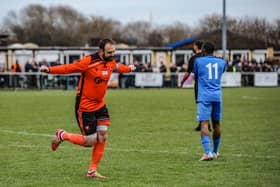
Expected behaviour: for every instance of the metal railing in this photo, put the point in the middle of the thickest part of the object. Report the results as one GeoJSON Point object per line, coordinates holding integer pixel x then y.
{"type": "Point", "coordinates": [37, 80]}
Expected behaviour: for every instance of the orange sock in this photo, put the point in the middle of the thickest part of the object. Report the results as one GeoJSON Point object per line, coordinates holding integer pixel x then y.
{"type": "Point", "coordinates": [97, 154]}
{"type": "Point", "coordinates": [74, 138]}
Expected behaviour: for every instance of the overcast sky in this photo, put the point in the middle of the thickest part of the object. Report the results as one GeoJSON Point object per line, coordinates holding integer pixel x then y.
{"type": "Point", "coordinates": [159, 11]}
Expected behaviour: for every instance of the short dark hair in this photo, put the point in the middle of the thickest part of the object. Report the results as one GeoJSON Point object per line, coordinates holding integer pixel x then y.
{"type": "Point", "coordinates": [208, 48]}
{"type": "Point", "coordinates": [198, 43]}
{"type": "Point", "coordinates": [105, 41]}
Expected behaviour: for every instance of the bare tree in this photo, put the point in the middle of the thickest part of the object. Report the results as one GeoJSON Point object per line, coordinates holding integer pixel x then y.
{"type": "Point", "coordinates": [99, 27]}
{"type": "Point", "coordinates": [65, 26]}
{"type": "Point", "coordinates": [156, 38]}
{"type": "Point", "coordinates": [273, 33]}
{"type": "Point", "coordinates": [214, 22]}
{"type": "Point", "coordinates": [254, 28]}
{"type": "Point", "coordinates": [31, 24]}
{"type": "Point", "coordinates": [137, 32]}
{"type": "Point", "coordinates": [54, 26]}
{"type": "Point", "coordinates": [175, 32]}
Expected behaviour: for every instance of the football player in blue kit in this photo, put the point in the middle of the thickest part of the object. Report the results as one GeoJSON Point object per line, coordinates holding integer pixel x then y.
{"type": "Point", "coordinates": [208, 71]}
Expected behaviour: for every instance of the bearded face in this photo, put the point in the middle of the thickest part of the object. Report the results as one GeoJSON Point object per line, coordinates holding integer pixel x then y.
{"type": "Point", "coordinates": [109, 52]}
{"type": "Point", "coordinates": [108, 58]}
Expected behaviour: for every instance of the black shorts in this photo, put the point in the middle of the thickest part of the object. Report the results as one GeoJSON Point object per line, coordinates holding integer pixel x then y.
{"type": "Point", "coordinates": [88, 121]}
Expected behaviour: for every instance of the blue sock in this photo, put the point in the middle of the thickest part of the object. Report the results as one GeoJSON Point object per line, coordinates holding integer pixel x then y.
{"type": "Point", "coordinates": [216, 143]}
{"type": "Point", "coordinates": [205, 141]}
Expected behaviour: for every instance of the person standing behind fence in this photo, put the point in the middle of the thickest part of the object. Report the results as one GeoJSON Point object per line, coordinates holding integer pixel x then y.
{"type": "Point", "coordinates": [2, 77]}
{"type": "Point", "coordinates": [174, 76]}
{"type": "Point", "coordinates": [208, 71]}
{"type": "Point", "coordinates": [16, 68]}
{"type": "Point", "coordinates": [91, 112]}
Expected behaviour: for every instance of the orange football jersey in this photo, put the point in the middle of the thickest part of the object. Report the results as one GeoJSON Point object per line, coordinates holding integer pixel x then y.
{"type": "Point", "coordinates": [95, 74]}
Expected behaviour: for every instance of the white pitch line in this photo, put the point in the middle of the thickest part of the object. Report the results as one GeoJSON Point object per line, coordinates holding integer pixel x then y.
{"type": "Point", "coordinates": [107, 148]}
{"type": "Point", "coordinates": [251, 97]}
{"type": "Point", "coordinates": [125, 150]}
{"type": "Point", "coordinates": [144, 151]}
{"type": "Point", "coordinates": [26, 133]}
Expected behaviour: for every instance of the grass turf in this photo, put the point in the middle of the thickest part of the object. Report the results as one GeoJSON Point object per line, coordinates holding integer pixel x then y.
{"type": "Point", "coordinates": [151, 140]}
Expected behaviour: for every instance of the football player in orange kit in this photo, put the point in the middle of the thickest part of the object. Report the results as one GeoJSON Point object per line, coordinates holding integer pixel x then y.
{"type": "Point", "coordinates": [91, 112]}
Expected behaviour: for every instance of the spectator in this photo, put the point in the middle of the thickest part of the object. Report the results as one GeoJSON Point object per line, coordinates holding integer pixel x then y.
{"type": "Point", "coordinates": [174, 76]}
{"type": "Point", "coordinates": [143, 68]}
{"type": "Point", "coordinates": [138, 66]}
{"type": "Point", "coordinates": [34, 68]}
{"type": "Point", "coordinates": [275, 65]}
{"type": "Point", "coordinates": [162, 67]}
{"type": "Point", "coordinates": [149, 68]}
{"type": "Point", "coordinates": [230, 67]}
{"type": "Point", "coordinates": [2, 77]}
{"type": "Point", "coordinates": [16, 68]}
{"type": "Point", "coordinates": [258, 67]}
{"type": "Point", "coordinates": [173, 68]}
{"type": "Point", "coordinates": [43, 62]}
{"type": "Point", "coordinates": [27, 67]}
{"type": "Point", "coordinates": [236, 60]}
{"type": "Point", "coordinates": [184, 68]}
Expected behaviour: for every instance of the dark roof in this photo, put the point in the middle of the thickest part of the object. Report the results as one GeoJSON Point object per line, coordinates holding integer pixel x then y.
{"type": "Point", "coordinates": [187, 41]}
{"type": "Point", "coordinates": [234, 41]}
{"type": "Point", "coordinates": [181, 43]}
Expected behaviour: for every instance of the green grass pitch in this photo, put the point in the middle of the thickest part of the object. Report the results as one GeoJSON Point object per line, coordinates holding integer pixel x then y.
{"type": "Point", "coordinates": [151, 140]}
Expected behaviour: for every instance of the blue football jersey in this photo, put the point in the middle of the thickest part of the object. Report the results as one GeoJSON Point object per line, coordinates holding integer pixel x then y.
{"type": "Point", "coordinates": [208, 72]}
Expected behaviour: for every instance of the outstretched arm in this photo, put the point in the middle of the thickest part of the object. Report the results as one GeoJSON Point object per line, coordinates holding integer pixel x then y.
{"type": "Point", "coordinates": [75, 67]}
{"type": "Point", "coordinates": [120, 68]}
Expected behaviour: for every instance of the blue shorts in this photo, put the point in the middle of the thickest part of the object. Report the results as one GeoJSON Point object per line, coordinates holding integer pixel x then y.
{"type": "Point", "coordinates": [209, 111]}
